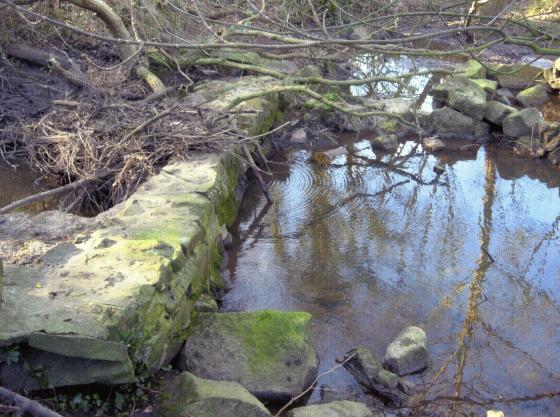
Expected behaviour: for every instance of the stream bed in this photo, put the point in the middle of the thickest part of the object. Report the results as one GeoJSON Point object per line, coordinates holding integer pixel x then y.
{"type": "Point", "coordinates": [375, 242]}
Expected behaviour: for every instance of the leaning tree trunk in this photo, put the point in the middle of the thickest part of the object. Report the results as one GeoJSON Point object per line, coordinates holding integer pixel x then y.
{"type": "Point", "coordinates": [118, 30]}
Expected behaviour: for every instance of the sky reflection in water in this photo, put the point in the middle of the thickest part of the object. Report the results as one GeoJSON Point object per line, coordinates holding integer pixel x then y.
{"type": "Point", "coordinates": [368, 266]}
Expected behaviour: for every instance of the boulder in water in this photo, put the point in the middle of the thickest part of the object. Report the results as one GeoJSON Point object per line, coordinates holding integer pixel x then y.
{"type": "Point", "coordinates": [408, 353]}
{"type": "Point", "coordinates": [268, 352]}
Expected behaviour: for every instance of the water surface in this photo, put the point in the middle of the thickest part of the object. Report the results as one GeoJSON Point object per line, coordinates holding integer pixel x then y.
{"type": "Point", "coordinates": [373, 243]}
{"type": "Point", "coordinates": [18, 181]}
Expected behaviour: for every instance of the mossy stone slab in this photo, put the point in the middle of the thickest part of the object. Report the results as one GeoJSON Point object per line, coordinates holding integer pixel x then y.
{"type": "Point", "coordinates": [268, 352]}
{"type": "Point", "coordinates": [189, 395]}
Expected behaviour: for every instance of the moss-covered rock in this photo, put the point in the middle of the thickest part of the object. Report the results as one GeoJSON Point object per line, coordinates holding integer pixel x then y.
{"type": "Point", "coordinates": [516, 76]}
{"type": "Point", "coordinates": [268, 352]}
{"type": "Point", "coordinates": [475, 69]}
{"type": "Point", "coordinates": [190, 396]}
{"type": "Point", "coordinates": [535, 96]}
{"type": "Point", "coordinates": [333, 409]}
{"type": "Point", "coordinates": [488, 85]}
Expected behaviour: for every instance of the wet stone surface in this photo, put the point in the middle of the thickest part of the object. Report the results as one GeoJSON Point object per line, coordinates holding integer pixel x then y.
{"type": "Point", "coordinates": [374, 242]}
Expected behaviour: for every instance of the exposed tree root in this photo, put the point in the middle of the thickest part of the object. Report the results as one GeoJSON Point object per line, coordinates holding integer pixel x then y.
{"type": "Point", "coordinates": [24, 405]}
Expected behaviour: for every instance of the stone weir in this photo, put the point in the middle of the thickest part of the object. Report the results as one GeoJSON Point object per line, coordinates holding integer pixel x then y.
{"type": "Point", "coordinates": [115, 301]}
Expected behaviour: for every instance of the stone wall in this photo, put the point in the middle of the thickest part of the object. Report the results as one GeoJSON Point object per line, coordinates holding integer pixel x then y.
{"type": "Point", "coordinates": [116, 301]}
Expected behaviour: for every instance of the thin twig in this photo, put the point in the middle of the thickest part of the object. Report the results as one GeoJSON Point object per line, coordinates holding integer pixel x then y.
{"type": "Point", "coordinates": [310, 387]}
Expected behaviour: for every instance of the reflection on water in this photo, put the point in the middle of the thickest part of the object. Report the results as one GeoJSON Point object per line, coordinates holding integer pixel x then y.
{"type": "Point", "coordinates": [17, 183]}
{"type": "Point", "coordinates": [381, 65]}
{"type": "Point", "coordinates": [374, 243]}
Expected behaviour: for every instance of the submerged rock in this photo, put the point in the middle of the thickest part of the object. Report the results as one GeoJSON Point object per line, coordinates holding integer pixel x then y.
{"type": "Point", "coordinates": [408, 353]}
{"type": "Point", "coordinates": [268, 352]}
{"type": "Point", "coordinates": [389, 143]}
{"type": "Point", "coordinates": [434, 144]}
{"type": "Point", "coordinates": [534, 96]}
{"type": "Point", "coordinates": [522, 123]}
{"type": "Point", "coordinates": [189, 395]}
{"type": "Point", "coordinates": [325, 157]}
{"type": "Point", "coordinates": [496, 112]}
{"type": "Point", "coordinates": [369, 373]}
{"type": "Point", "coordinates": [333, 409]}
{"type": "Point", "coordinates": [299, 136]}
{"type": "Point", "coordinates": [449, 123]}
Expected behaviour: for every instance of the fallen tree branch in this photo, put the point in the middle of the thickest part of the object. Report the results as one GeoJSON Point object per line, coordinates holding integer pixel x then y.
{"type": "Point", "coordinates": [255, 169]}
{"type": "Point", "coordinates": [24, 405]}
{"type": "Point", "coordinates": [49, 193]}
{"type": "Point", "coordinates": [307, 91]}
{"type": "Point", "coordinates": [310, 387]}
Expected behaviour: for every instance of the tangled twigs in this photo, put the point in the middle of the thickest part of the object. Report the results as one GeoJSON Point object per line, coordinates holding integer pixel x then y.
{"type": "Point", "coordinates": [24, 405]}
{"type": "Point", "coordinates": [310, 387]}
{"type": "Point", "coordinates": [49, 193]}
{"type": "Point", "coordinates": [129, 141]}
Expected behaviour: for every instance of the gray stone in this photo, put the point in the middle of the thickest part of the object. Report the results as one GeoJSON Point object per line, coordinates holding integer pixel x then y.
{"type": "Point", "coordinates": [407, 387]}
{"type": "Point", "coordinates": [387, 143]}
{"type": "Point", "coordinates": [504, 96]}
{"type": "Point", "coordinates": [451, 123]}
{"type": "Point", "coordinates": [535, 96]}
{"type": "Point", "coordinates": [299, 136]}
{"type": "Point", "coordinates": [496, 112]}
{"type": "Point", "coordinates": [481, 131]}
{"type": "Point", "coordinates": [522, 123]}
{"type": "Point", "coordinates": [408, 353]}
{"type": "Point", "coordinates": [189, 395]}
{"type": "Point", "coordinates": [514, 76]}
{"type": "Point", "coordinates": [434, 144]}
{"type": "Point", "coordinates": [463, 95]}
{"type": "Point", "coordinates": [333, 409]}
{"type": "Point", "coordinates": [369, 373]}
{"type": "Point", "coordinates": [268, 352]}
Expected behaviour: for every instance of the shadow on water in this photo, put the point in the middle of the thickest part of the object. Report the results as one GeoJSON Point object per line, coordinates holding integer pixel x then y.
{"type": "Point", "coordinates": [376, 242]}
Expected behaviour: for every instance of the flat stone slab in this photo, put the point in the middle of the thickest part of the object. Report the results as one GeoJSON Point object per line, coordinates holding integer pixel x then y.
{"type": "Point", "coordinates": [117, 295]}
{"type": "Point", "coordinates": [268, 352]}
{"type": "Point", "coordinates": [333, 409]}
{"type": "Point", "coordinates": [189, 395]}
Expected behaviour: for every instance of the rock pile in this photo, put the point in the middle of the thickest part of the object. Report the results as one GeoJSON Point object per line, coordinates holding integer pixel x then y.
{"type": "Point", "coordinates": [405, 355]}
{"type": "Point", "coordinates": [481, 101]}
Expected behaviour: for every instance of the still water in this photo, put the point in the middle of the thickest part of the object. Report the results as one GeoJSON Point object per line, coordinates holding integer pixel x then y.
{"type": "Point", "coordinates": [372, 243]}
{"type": "Point", "coordinates": [16, 182]}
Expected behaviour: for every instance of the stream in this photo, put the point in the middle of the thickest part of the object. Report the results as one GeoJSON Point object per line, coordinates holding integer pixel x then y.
{"type": "Point", "coordinates": [375, 242]}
